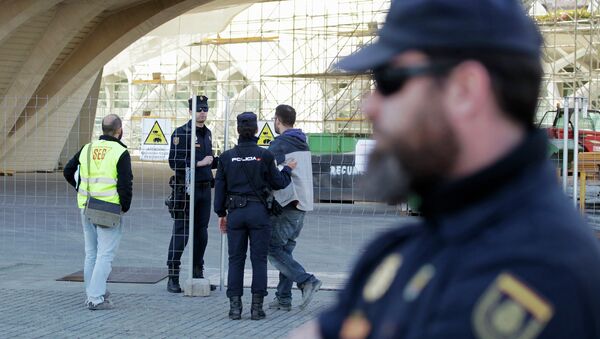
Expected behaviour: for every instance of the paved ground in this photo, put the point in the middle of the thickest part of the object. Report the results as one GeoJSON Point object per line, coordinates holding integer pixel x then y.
{"type": "Point", "coordinates": [41, 240]}
{"type": "Point", "coordinates": [35, 306]}
{"type": "Point", "coordinates": [39, 222]}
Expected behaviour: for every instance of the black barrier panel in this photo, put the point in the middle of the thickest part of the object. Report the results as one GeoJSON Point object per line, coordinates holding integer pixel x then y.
{"type": "Point", "coordinates": [336, 179]}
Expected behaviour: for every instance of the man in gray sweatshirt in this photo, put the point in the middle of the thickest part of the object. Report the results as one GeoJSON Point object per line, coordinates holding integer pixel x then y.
{"type": "Point", "coordinates": [296, 199]}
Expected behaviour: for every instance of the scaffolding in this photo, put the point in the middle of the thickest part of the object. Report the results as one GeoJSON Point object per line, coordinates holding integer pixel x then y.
{"type": "Point", "coordinates": [283, 52]}
{"type": "Point", "coordinates": [269, 54]}
{"type": "Point", "coordinates": [571, 64]}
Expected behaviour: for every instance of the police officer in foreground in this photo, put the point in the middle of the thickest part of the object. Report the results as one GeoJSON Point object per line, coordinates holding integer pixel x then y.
{"type": "Point", "coordinates": [246, 175]}
{"type": "Point", "coordinates": [179, 161]}
{"type": "Point", "coordinates": [501, 252]}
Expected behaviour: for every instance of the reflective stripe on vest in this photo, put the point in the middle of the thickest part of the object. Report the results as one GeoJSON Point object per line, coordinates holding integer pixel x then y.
{"type": "Point", "coordinates": [99, 180]}
{"type": "Point", "coordinates": [101, 183]}
{"type": "Point", "coordinates": [85, 193]}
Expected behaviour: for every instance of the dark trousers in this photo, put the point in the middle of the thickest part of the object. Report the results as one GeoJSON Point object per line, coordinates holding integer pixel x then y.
{"type": "Point", "coordinates": [180, 234]}
{"type": "Point", "coordinates": [250, 223]}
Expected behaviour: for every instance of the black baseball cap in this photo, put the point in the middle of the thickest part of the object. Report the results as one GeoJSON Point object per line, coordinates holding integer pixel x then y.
{"type": "Point", "coordinates": [247, 119]}
{"type": "Point", "coordinates": [487, 25]}
{"type": "Point", "coordinates": [201, 103]}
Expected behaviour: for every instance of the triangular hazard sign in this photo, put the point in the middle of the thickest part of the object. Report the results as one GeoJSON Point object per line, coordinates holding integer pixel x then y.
{"type": "Point", "coordinates": [156, 136]}
{"type": "Point", "coordinates": [266, 136]}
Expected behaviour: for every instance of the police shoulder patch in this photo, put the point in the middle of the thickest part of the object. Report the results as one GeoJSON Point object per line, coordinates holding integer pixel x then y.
{"type": "Point", "coordinates": [510, 309]}
{"type": "Point", "coordinates": [356, 326]}
{"type": "Point", "coordinates": [418, 282]}
{"type": "Point", "coordinates": [381, 279]}
{"type": "Point", "coordinates": [175, 141]}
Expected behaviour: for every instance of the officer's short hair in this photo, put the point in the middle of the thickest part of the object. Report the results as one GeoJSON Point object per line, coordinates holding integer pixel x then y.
{"type": "Point", "coordinates": [110, 124]}
{"type": "Point", "coordinates": [515, 79]}
{"type": "Point", "coordinates": [286, 114]}
{"type": "Point", "coordinates": [247, 131]}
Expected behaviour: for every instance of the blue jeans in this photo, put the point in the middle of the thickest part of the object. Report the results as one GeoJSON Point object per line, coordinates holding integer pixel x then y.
{"type": "Point", "coordinates": [101, 244]}
{"type": "Point", "coordinates": [286, 229]}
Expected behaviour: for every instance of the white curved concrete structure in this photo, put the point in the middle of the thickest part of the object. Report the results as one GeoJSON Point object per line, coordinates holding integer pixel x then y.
{"type": "Point", "coordinates": [51, 57]}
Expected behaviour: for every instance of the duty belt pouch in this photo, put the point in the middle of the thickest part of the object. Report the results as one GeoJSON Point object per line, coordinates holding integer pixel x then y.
{"type": "Point", "coordinates": [236, 201]}
{"type": "Point", "coordinates": [273, 205]}
{"type": "Point", "coordinates": [99, 212]}
{"type": "Point", "coordinates": [175, 202]}
{"type": "Point", "coordinates": [170, 201]}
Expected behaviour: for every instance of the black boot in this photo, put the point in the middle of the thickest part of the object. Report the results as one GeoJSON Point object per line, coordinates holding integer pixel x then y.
{"type": "Point", "coordinates": [173, 283]}
{"type": "Point", "coordinates": [198, 272]}
{"type": "Point", "coordinates": [235, 308]}
{"type": "Point", "coordinates": [256, 312]}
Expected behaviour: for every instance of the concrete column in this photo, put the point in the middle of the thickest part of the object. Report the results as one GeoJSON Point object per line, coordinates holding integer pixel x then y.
{"type": "Point", "coordinates": [113, 35]}
{"type": "Point", "coordinates": [83, 126]}
{"type": "Point", "coordinates": [67, 22]}
{"type": "Point", "coordinates": [76, 76]}
{"type": "Point", "coordinates": [40, 150]}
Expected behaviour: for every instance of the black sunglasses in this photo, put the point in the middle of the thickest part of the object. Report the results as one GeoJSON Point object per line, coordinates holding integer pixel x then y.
{"type": "Point", "coordinates": [390, 79]}
{"type": "Point", "coordinates": [202, 109]}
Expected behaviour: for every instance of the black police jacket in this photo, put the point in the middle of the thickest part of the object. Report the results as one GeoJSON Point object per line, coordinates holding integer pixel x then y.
{"type": "Point", "coordinates": [501, 254]}
{"type": "Point", "coordinates": [245, 162]}
{"type": "Point", "coordinates": [180, 156]}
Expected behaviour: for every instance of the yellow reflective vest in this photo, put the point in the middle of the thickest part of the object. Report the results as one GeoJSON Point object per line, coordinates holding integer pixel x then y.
{"type": "Point", "coordinates": [101, 182]}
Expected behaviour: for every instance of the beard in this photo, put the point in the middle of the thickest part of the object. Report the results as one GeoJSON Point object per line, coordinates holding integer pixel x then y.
{"type": "Point", "coordinates": [412, 163]}
{"type": "Point", "coordinates": [387, 179]}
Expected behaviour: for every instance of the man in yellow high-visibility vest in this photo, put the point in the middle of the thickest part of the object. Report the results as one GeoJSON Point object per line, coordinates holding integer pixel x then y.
{"type": "Point", "coordinates": [105, 173]}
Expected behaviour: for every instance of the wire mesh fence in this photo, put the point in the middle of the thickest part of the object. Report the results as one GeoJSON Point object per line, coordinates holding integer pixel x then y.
{"type": "Point", "coordinates": [270, 53]}
{"type": "Point", "coordinates": [40, 220]}
{"type": "Point", "coordinates": [574, 152]}
{"type": "Point", "coordinates": [264, 55]}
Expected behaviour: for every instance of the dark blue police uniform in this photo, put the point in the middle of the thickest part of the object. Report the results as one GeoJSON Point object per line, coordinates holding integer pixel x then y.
{"type": "Point", "coordinates": [179, 160]}
{"type": "Point", "coordinates": [490, 260]}
{"type": "Point", "coordinates": [247, 216]}
{"type": "Point", "coordinates": [501, 253]}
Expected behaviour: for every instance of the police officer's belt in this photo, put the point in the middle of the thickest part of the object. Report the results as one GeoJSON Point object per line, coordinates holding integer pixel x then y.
{"type": "Point", "coordinates": [203, 184]}
{"type": "Point", "coordinates": [238, 201]}
{"type": "Point", "coordinates": [248, 197]}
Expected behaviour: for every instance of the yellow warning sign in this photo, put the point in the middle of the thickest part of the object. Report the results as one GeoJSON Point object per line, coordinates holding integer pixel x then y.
{"type": "Point", "coordinates": [156, 136]}
{"type": "Point", "coordinates": [265, 136]}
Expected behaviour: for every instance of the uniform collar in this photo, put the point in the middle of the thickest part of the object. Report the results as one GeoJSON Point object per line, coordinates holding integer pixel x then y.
{"type": "Point", "coordinates": [109, 138]}
{"type": "Point", "coordinates": [188, 126]}
{"type": "Point", "coordinates": [470, 200]}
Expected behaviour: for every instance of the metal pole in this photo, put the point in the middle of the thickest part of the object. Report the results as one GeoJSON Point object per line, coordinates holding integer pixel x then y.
{"type": "Point", "coordinates": [575, 147]}
{"type": "Point", "coordinates": [565, 153]}
{"type": "Point", "coordinates": [223, 236]}
{"type": "Point", "coordinates": [584, 113]}
{"type": "Point", "coordinates": [192, 188]}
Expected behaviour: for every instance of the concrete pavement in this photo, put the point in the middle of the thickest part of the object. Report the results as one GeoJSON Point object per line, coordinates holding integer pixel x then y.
{"type": "Point", "coordinates": [35, 306]}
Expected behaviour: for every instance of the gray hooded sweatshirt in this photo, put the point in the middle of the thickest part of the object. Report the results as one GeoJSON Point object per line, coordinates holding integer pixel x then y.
{"type": "Point", "coordinates": [291, 144]}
